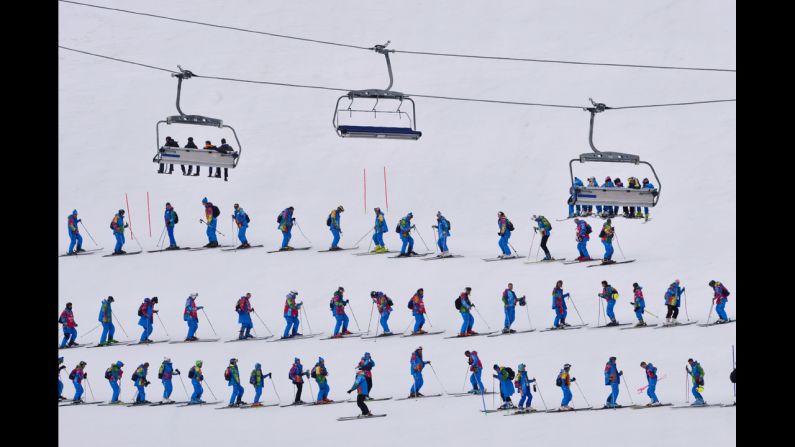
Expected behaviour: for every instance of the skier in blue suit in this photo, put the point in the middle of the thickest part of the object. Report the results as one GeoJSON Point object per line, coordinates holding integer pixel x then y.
{"type": "Point", "coordinates": [241, 220]}
{"type": "Point", "coordinates": [476, 366]}
{"type": "Point", "coordinates": [379, 229]}
{"type": "Point", "coordinates": [577, 182]}
{"type": "Point", "coordinates": [165, 375]}
{"type": "Point", "coordinates": [506, 386]}
{"type": "Point", "coordinates": [612, 379]}
{"type": "Point", "coordinates": [118, 225]}
{"type": "Point", "coordinates": [171, 218]}
{"type": "Point", "coordinates": [522, 384]}
{"type": "Point", "coordinates": [417, 365]}
{"type": "Point", "coordinates": [647, 185]}
{"type": "Point", "coordinates": [651, 376]}
{"type": "Point", "coordinates": [443, 228]}
{"type": "Point", "coordinates": [147, 318]}
{"type": "Point", "coordinates": [106, 318]}
{"type": "Point", "coordinates": [233, 379]}
{"type": "Point", "coordinates": [405, 235]}
{"type": "Point", "coordinates": [333, 223]}
{"type": "Point", "coordinates": [509, 301]}
{"type": "Point", "coordinates": [74, 233]}
{"type": "Point", "coordinates": [505, 226]}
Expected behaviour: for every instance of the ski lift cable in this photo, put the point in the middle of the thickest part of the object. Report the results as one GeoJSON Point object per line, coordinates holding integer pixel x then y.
{"type": "Point", "coordinates": [336, 89]}
{"type": "Point", "coordinates": [423, 53]}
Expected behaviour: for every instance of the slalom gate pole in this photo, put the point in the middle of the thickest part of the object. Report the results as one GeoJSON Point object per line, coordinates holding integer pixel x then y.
{"type": "Point", "coordinates": [619, 246]}
{"type": "Point", "coordinates": [119, 322]}
{"type": "Point", "coordinates": [184, 388]}
{"type": "Point", "coordinates": [437, 378]}
{"type": "Point", "coordinates": [686, 314]}
{"type": "Point", "coordinates": [371, 319]}
{"type": "Point", "coordinates": [89, 234]}
{"type": "Point", "coordinates": [92, 330]}
{"type": "Point", "coordinates": [161, 324]}
{"type": "Point", "coordinates": [626, 382]}
{"type": "Point", "coordinates": [208, 321]}
{"type": "Point", "coordinates": [129, 214]}
{"type": "Point", "coordinates": [575, 308]}
{"type": "Point", "coordinates": [481, 316]}
{"type": "Point", "coordinates": [365, 235]}
{"type": "Point", "coordinates": [209, 388]}
{"type": "Point", "coordinates": [302, 232]}
{"type": "Point", "coordinates": [216, 228]}
{"type": "Point", "coordinates": [353, 314]}
{"type": "Point", "coordinates": [90, 390]}
{"type": "Point", "coordinates": [263, 323]}
{"type": "Point", "coordinates": [538, 388]}
{"type": "Point", "coordinates": [274, 388]}
{"type": "Point", "coordinates": [530, 250]}
{"type": "Point", "coordinates": [423, 240]}
{"type": "Point", "coordinates": [582, 394]}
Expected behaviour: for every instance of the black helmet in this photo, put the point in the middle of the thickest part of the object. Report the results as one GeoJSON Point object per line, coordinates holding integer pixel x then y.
{"type": "Point", "coordinates": [121, 211]}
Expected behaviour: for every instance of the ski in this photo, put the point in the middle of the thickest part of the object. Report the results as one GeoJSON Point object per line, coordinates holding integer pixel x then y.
{"type": "Point", "coordinates": [123, 254]}
{"type": "Point", "coordinates": [498, 334]}
{"type": "Point", "coordinates": [353, 335]}
{"type": "Point", "coordinates": [168, 249]}
{"type": "Point", "coordinates": [72, 403]}
{"type": "Point", "coordinates": [617, 407]}
{"type": "Point", "coordinates": [190, 404]}
{"type": "Point", "coordinates": [71, 347]}
{"type": "Point", "coordinates": [138, 404]}
{"type": "Point", "coordinates": [231, 407]}
{"type": "Point", "coordinates": [238, 249]}
{"type": "Point", "coordinates": [641, 407]}
{"type": "Point", "coordinates": [209, 248]}
{"type": "Point", "coordinates": [665, 325]}
{"type": "Point", "coordinates": [112, 404]}
{"type": "Point", "coordinates": [530, 411]}
{"type": "Point", "coordinates": [639, 327]}
{"type": "Point", "coordinates": [679, 407]}
{"type": "Point", "coordinates": [726, 405]}
{"type": "Point", "coordinates": [613, 263]}
{"type": "Point", "coordinates": [377, 399]}
{"type": "Point", "coordinates": [379, 336]}
{"type": "Point", "coordinates": [417, 335]}
{"type": "Point", "coordinates": [201, 340]}
{"type": "Point", "coordinates": [716, 323]}
{"type": "Point", "coordinates": [121, 343]}
{"type": "Point", "coordinates": [296, 337]}
{"type": "Point", "coordinates": [294, 404]}
{"type": "Point", "coordinates": [338, 249]}
{"type": "Point", "coordinates": [81, 253]}
{"type": "Point", "coordinates": [614, 325]}
{"type": "Point", "coordinates": [161, 403]}
{"type": "Point", "coordinates": [248, 339]}
{"type": "Point", "coordinates": [558, 410]}
{"type": "Point", "coordinates": [473, 335]}
{"type": "Point", "coordinates": [418, 255]}
{"type": "Point", "coordinates": [443, 257]}
{"type": "Point", "coordinates": [503, 259]}
{"type": "Point", "coordinates": [372, 253]}
{"type": "Point", "coordinates": [471, 394]}
{"type": "Point", "coordinates": [319, 404]}
{"type": "Point", "coordinates": [294, 249]}
{"type": "Point", "coordinates": [353, 418]}
{"type": "Point", "coordinates": [545, 261]}
{"type": "Point", "coordinates": [497, 410]}
{"type": "Point", "coordinates": [258, 406]}
{"type": "Point", "coordinates": [564, 328]}
{"type": "Point", "coordinates": [580, 262]}
{"type": "Point", "coordinates": [136, 343]}
{"type": "Point", "coordinates": [418, 397]}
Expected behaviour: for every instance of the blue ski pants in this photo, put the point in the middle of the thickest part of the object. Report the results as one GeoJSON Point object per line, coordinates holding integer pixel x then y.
{"type": "Point", "coordinates": [415, 388]}
{"type": "Point", "coordinates": [510, 315]}
{"type": "Point", "coordinates": [419, 320]}
{"type": "Point", "coordinates": [292, 325]}
{"type": "Point", "coordinates": [107, 332]}
{"type": "Point", "coordinates": [167, 388]}
{"type": "Point", "coordinates": [114, 385]}
{"type": "Point", "coordinates": [75, 238]}
{"type": "Point", "coordinates": [171, 241]}
{"type": "Point", "coordinates": [469, 321]}
{"type": "Point", "coordinates": [119, 241]}
{"type": "Point", "coordinates": [342, 322]}
{"type": "Point", "coordinates": [336, 233]}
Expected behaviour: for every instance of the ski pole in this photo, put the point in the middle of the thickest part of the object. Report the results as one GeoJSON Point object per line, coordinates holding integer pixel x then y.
{"type": "Point", "coordinates": [208, 321]}
{"type": "Point", "coordinates": [216, 230]}
{"type": "Point", "coordinates": [428, 317]}
{"type": "Point", "coordinates": [161, 239]}
{"type": "Point", "coordinates": [581, 393]}
{"type": "Point", "coordinates": [598, 312]}
{"type": "Point", "coordinates": [371, 318]}
{"type": "Point", "coordinates": [161, 324]}
{"type": "Point", "coordinates": [709, 315]}
{"type": "Point", "coordinates": [209, 388]}
{"type": "Point", "coordinates": [89, 234]}
{"type": "Point", "coordinates": [365, 235]}
{"type": "Point", "coordinates": [483, 400]}
{"type": "Point", "coordinates": [494, 393]}
{"type": "Point", "coordinates": [575, 308]}
{"type": "Point", "coordinates": [302, 233]}
{"type": "Point", "coordinates": [306, 317]}
{"type": "Point", "coordinates": [184, 388]}
{"type": "Point", "coordinates": [527, 311]}
{"type": "Point", "coordinates": [466, 374]}
{"type": "Point", "coordinates": [481, 316]}
{"type": "Point", "coordinates": [514, 250]}
{"type": "Point", "coordinates": [530, 250]}
{"type": "Point", "coordinates": [687, 396]}
{"type": "Point", "coordinates": [354, 317]}
{"type": "Point", "coordinates": [263, 323]}
{"type": "Point", "coordinates": [734, 367]}
{"type": "Point", "coordinates": [92, 330]}
{"type": "Point", "coordinates": [686, 314]}
{"type": "Point", "coordinates": [626, 382]}
{"type": "Point", "coordinates": [90, 390]}
{"type": "Point", "coordinates": [435, 235]}
{"type": "Point", "coordinates": [119, 323]}
{"type": "Point", "coordinates": [437, 378]}
{"type": "Point", "coordinates": [423, 240]}
{"type": "Point", "coordinates": [274, 388]}
{"type": "Point", "coordinates": [641, 389]}
{"type": "Point", "coordinates": [619, 246]}
{"type": "Point", "coordinates": [138, 243]}
{"type": "Point", "coordinates": [311, 391]}
{"type": "Point", "coordinates": [538, 388]}
{"type": "Point", "coordinates": [407, 327]}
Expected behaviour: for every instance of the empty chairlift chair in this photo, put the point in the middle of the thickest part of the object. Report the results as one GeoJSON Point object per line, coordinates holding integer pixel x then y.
{"type": "Point", "coordinates": [585, 195]}
{"type": "Point", "coordinates": [199, 157]}
{"type": "Point", "coordinates": [392, 131]}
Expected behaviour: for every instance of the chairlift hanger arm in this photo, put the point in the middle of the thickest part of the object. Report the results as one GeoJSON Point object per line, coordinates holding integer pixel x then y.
{"type": "Point", "coordinates": [183, 74]}
{"type": "Point", "coordinates": [382, 49]}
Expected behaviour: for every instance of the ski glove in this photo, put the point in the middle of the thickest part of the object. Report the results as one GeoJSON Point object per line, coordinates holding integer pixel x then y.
{"type": "Point", "coordinates": [176, 372]}
{"type": "Point", "coordinates": [85, 375]}
{"type": "Point", "coordinates": [349, 391]}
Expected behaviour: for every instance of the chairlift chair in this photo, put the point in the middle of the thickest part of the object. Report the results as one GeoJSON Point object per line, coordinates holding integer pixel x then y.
{"type": "Point", "coordinates": [585, 195]}
{"type": "Point", "coordinates": [200, 157]}
{"type": "Point", "coordinates": [358, 131]}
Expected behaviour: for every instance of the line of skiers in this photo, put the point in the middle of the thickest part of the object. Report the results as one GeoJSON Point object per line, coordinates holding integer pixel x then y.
{"type": "Point", "coordinates": [607, 210]}
{"type": "Point", "coordinates": [384, 304]}
{"type": "Point", "coordinates": [224, 148]}
{"type": "Point", "coordinates": [509, 381]}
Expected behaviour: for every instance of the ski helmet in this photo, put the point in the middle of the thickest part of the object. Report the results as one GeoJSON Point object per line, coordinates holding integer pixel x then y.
{"type": "Point", "coordinates": [119, 363]}
{"type": "Point", "coordinates": [320, 360]}
{"type": "Point", "coordinates": [121, 211]}
{"type": "Point", "coordinates": [199, 363]}
{"type": "Point", "coordinates": [297, 360]}
{"type": "Point", "coordinates": [566, 366]}
{"type": "Point", "coordinates": [712, 283]}
{"type": "Point", "coordinates": [636, 286]}
{"type": "Point", "coordinates": [166, 360]}
{"type": "Point", "coordinates": [521, 367]}
{"type": "Point", "coordinates": [204, 200]}
{"type": "Point", "coordinates": [467, 353]}
{"type": "Point", "coordinates": [146, 364]}
{"type": "Point", "coordinates": [233, 361]}
{"type": "Point", "coordinates": [110, 299]}
{"type": "Point", "coordinates": [372, 293]}
{"type": "Point", "coordinates": [340, 208]}
{"type": "Point", "coordinates": [257, 366]}
{"type": "Point", "coordinates": [74, 212]}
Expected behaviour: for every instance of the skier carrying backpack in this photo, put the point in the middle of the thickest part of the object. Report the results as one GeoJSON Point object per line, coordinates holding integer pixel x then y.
{"type": "Point", "coordinates": [505, 375]}
{"type": "Point", "coordinates": [506, 227]}
{"type": "Point", "coordinates": [211, 212]}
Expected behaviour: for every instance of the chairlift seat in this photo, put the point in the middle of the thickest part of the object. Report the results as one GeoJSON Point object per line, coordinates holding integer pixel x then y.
{"type": "Point", "coordinates": [584, 195]}
{"type": "Point", "coordinates": [198, 157]}
{"type": "Point", "coordinates": [399, 133]}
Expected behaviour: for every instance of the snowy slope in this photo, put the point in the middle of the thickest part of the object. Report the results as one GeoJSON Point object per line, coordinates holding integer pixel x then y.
{"type": "Point", "coordinates": [472, 161]}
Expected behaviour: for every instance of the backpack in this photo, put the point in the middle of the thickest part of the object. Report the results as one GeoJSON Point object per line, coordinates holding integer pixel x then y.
{"type": "Point", "coordinates": [588, 229]}
{"type": "Point", "coordinates": [509, 225]}
{"type": "Point", "coordinates": [449, 226]}
{"type": "Point", "coordinates": [558, 381]}
{"type": "Point", "coordinates": [615, 294]}
{"type": "Point", "coordinates": [389, 302]}
{"type": "Point", "coordinates": [248, 219]}
{"type": "Point", "coordinates": [142, 310]}
{"type": "Point", "coordinates": [192, 372]}
{"type": "Point", "coordinates": [602, 233]}
{"type": "Point", "coordinates": [108, 374]}
{"type": "Point", "coordinates": [279, 218]}
{"type": "Point", "coordinates": [313, 374]}
{"type": "Point", "coordinates": [397, 228]}
{"type": "Point", "coordinates": [411, 304]}
{"type": "Point", "coordinates": [328, 220]}
{"type": "Point", "coordinates": [331, 304]}
{"type": "Point", "coordinates": [160, 373]}
{"type": "Point", "coordinates": [458, 303]}
{"type": "Point", "coordinates": [134, 376]}
{"type": "Point", "coordinates": [176, 217]}
{"type": "Point", "coordinates": [111, 225]}
{"type": "Point", "coordinates": [511, 374]}
{"type": "Point", "coordinates": [724, 291]}
{"type": "Point", "coordinates": [72, 375]}
{"type": "Point", "coordinates": [216, 211]}
{"type": "Point", "coordinates": [253, 379]}
{"type": "Point", "coordinates": [228, 374]}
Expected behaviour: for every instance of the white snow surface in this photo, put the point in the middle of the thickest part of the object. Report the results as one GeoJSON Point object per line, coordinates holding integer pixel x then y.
{"type": "Point", "coordinates": [472, 161]}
